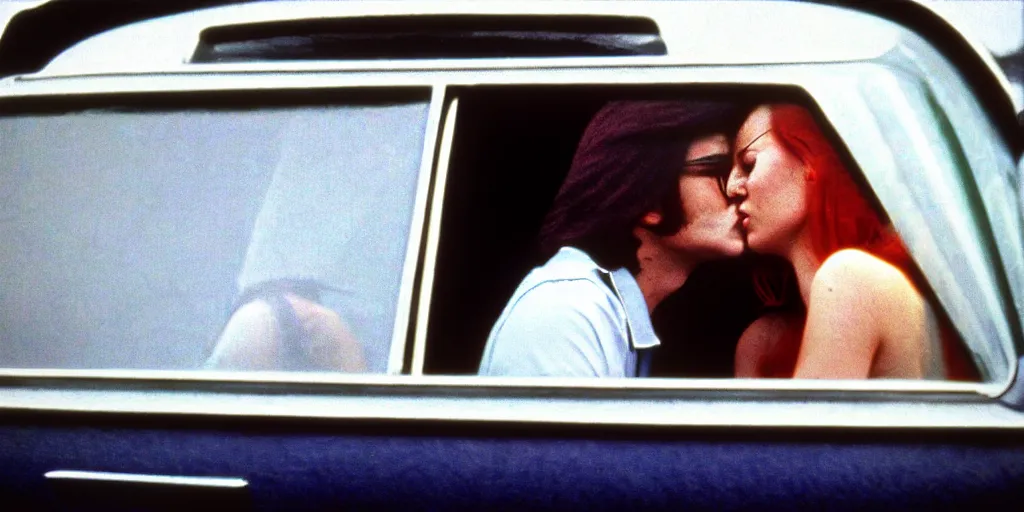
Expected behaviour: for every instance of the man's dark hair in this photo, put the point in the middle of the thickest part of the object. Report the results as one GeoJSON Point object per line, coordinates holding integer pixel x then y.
{"type": "Point", "coordinates": [627, 164]}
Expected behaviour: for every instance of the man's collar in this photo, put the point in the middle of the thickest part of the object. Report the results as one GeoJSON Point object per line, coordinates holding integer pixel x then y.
{"type": "Point", "coordinates": [638, 319]}
{"type": "Point", "coordinates": [573, 255]}
{"type": "Point", "coordinates": [624, 285]}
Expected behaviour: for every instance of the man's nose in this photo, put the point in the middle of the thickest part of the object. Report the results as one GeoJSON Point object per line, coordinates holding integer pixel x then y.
{"type": "Point", "coordinates": [735, 185]}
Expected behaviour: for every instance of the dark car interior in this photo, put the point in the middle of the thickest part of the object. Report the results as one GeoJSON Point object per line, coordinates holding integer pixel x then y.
{"type": "Point", "coordinates": [513, 147]}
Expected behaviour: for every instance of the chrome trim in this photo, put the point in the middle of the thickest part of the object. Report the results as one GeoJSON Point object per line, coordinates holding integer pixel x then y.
{"type": "Point", "coordinates": [209, 380]}
{"type": "Point", "coordinates": [433, 238]}
{"type": "Point", "coordinates": [667, 74]}
{"type": "Point", "coordinates": [400, 334]}
{"type": "Point", "coordinates": [654, 402]}
{"type": "Point", "coordinates": [132, 478]}
{"type": "Point", "coordinates": [532, 405]}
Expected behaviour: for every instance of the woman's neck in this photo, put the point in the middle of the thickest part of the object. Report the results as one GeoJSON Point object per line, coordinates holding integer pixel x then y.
{"type": "Point", "coordinates": [805, 264]}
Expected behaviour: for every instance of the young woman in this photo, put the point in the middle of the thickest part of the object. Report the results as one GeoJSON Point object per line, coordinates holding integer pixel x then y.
{"type": "Point", "coordinates": [863, 314]}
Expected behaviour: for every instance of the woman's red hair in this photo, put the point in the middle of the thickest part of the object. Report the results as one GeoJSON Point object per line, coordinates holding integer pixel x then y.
{"type": "Point", "coordinates": [839, 216]}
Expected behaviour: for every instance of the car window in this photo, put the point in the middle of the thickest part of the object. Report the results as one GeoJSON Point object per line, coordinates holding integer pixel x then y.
{"type": "Point", "coordinates": [136, 234]}
{"type": "Point", "coordinates": [256, 241]}
{"type": "Point", "coordinates": [500, 198]}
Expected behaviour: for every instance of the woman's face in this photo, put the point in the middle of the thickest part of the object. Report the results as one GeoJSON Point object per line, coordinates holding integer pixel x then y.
{"type": "Point", "coordinates": [770, 185]}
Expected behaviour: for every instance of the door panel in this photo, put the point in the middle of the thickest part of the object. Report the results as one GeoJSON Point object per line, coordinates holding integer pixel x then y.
{"type": "Point", "coordinates": [296, 466]}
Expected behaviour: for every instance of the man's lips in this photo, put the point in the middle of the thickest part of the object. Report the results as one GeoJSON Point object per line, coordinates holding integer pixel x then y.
{"type": "Point", "coordinates": [744, 219]}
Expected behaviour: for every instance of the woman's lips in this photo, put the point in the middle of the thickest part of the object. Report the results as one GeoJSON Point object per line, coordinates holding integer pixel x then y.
{"type": "Point", "coordinates": [744, 220]}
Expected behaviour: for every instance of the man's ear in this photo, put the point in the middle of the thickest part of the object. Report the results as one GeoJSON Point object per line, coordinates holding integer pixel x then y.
{"type": "Point", "coordinates": [650, 219]}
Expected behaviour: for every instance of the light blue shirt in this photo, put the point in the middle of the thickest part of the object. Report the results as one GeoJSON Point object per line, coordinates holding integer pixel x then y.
{"type": "Point", "coordinates": [572, 318]}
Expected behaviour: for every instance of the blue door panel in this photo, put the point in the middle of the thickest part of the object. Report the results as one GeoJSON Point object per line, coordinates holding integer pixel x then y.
{"type": "Point", "coordinates": [438, 467]}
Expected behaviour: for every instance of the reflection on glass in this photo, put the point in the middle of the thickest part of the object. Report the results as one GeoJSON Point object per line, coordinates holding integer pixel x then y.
{"type": "Point", "coordinates": [132, 237]}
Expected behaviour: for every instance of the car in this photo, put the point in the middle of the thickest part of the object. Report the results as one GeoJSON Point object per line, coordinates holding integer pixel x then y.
{"type": "Point", "coordinates": [176, 179]}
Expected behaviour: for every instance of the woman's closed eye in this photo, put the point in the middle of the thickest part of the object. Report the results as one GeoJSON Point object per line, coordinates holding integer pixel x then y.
{"type": "Point", "coordinates": [748, 155]}
{"type": "Point", "coordinates": [748, 161]}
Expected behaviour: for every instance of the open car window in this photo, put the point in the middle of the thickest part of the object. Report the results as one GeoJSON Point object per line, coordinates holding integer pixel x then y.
{"type": "Point", "coordinates": [490, 262]}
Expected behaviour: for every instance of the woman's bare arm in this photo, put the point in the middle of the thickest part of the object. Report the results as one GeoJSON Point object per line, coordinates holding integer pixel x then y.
{"type": "Point", "coordinates": [843, 335]}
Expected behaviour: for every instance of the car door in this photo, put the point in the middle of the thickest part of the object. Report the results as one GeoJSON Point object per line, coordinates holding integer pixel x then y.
{"type": "Point", "coordinates": [155, 174]}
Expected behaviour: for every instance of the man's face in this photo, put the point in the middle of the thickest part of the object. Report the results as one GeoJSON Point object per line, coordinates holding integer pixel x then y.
{"type": "Point", "coordinates": [711, 229]}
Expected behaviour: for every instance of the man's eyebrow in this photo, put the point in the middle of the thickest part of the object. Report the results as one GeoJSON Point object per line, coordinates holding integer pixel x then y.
{"type": "Point", "coordinates": [751, 143]}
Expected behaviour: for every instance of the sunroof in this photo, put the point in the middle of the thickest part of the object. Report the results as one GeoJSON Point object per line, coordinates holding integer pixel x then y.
{"type": "Point", "coordinates": [431, 37]}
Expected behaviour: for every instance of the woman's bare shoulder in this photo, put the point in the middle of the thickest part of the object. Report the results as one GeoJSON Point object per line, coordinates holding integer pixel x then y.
{"type": "Point", "coordinates": [858, 283]}
{"type": "Point", "coordinates": [854, 269]}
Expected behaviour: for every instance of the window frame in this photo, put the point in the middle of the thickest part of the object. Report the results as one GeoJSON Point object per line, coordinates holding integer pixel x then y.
{"type": "Point", "coordinates": [425, 96]}
{"type": "Point", "coordinates": [910, 404]}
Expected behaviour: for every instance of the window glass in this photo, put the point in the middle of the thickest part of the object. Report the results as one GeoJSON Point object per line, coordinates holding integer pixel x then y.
{"type": "Point", "coordinates": [955, 175]}
{"type": "Point", "coordinates": [132, 237]}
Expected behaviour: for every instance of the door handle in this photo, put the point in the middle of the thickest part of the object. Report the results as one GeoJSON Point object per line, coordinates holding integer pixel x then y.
{"type": "Point", "coordinates": [98, 490]}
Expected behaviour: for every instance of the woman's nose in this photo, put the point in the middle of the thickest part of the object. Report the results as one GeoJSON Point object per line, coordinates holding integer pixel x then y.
{"type": "Point", "coordinates": [736, 184]}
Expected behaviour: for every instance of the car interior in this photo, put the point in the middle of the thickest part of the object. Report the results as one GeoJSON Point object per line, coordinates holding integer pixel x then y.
{"type": "Point", "coordinates": [512, 149]}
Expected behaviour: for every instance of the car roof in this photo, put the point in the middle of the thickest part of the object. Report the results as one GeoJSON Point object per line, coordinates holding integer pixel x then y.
{"type": "Point", "coordinates": [695, 32]}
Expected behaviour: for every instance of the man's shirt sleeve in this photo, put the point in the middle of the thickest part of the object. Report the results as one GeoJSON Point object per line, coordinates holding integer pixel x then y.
{"type": "Point", "coordinates": [559, 328]}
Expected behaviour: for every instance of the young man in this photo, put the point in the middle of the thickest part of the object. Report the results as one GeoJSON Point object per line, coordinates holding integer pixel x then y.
{"type": "Point", "coordinates": [643, 205]}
